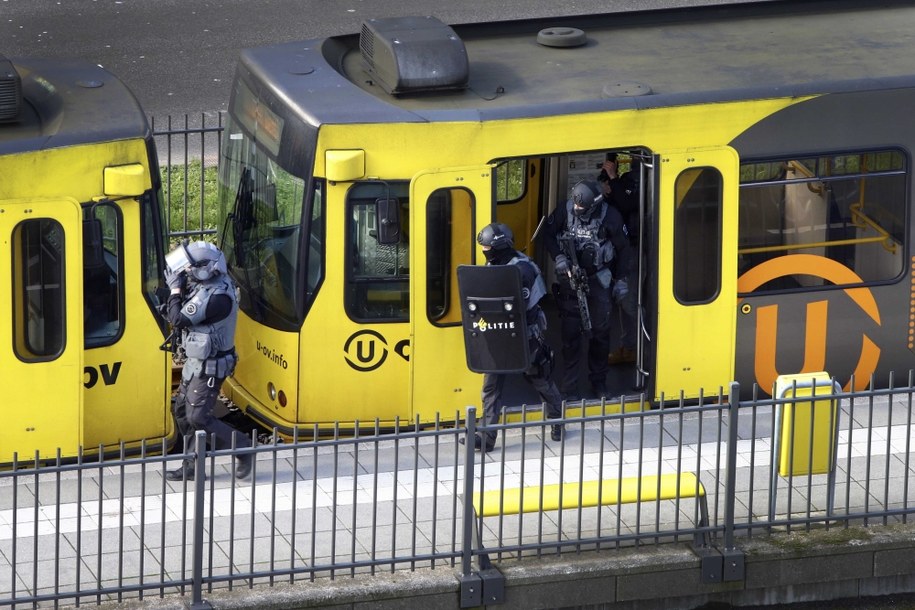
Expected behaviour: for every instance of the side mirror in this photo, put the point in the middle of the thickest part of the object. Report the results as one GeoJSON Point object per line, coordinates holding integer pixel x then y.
{"type": "Point", "coordinates": [125, 180]}
{"type": "Point", "coordinates": [387, 221]}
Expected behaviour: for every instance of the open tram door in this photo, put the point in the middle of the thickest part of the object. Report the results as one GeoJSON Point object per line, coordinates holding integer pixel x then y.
{"type": "Point", "coordinates": [647, 181]}
{"type": "Point", "coordinates": [697, 272]}
{"type": "Point", "coordinates": [41, 328]}
{"type": "Point", "coordinates": [448, 208]}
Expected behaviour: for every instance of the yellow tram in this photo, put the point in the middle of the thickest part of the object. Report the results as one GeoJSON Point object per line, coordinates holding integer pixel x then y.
{"type": "Point", "coordinates": [81, 237]}
{"type": "Point", "coordinates": [775, 211]}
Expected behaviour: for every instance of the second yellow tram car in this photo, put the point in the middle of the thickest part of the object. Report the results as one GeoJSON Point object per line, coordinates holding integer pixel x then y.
{"type": "Point", "coordinates": [81, 251]}
{"type": "Point", "coordinates": [775, 144]}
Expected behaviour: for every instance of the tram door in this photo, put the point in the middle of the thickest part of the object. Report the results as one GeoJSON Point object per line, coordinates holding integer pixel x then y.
{"type": "Point", "coordinates": [448, 209]}
{"type": "Point", "coordinates": [697, 271]}
{"type": "Point", "coordinates": [645, 334]}
{"type": "Point", "coordinates": [41, 328]}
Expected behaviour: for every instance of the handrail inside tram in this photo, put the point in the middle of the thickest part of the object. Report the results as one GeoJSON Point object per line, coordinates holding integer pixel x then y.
{"type": "Point", "coordinates": [859, 219]}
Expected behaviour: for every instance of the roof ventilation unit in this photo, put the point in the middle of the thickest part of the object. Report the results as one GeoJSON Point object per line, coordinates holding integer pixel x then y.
{"type": "Point", "coordinates": [10, 90]}
{"type": "Point", "coordinates": [413, 55]}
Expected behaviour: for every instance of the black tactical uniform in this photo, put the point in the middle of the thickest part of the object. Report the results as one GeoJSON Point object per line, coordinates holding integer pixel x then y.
{"type": "Point", "coordinates": [622, 193]}
{"type": "Point", "coordinates": [598, 234]}
{"type": "Point", "coordinates": [203, 306]}
{"type": "Point", "coordinates": [496, 239]}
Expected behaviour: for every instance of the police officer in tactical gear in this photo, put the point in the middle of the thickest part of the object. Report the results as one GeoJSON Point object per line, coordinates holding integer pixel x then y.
{"type": "Point", "coordinates": [622, 193]}
{"type": "Point", "coordinates": [203, 306]}
{"type": "Point", "coordinates": [496, 240]}
{"type": "Point", "coordinates": [599, 236]}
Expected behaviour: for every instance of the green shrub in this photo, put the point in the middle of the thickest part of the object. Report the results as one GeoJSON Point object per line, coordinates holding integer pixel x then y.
{"type": "Point", "coordinates": [183, 189]}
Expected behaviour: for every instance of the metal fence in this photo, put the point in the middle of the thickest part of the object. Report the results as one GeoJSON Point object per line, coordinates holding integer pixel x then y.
{"type": "Point", "coordinates": [116, 529]}
{"type": "Point", "coordinates": [188, 152]}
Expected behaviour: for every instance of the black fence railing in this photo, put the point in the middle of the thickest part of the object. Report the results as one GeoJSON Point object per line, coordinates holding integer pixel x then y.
{"type": "Point", "coordinates": [708, 474]}
{"type": "Point", "coordinates": [188, 152]}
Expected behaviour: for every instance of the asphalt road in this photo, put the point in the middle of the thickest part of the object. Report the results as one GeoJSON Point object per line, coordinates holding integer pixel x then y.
{"type": "Point", "coordinates": [178, 56]}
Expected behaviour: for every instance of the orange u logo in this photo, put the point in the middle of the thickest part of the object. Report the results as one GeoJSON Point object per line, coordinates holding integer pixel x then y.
{"type": "Point", "coordinates": [815, 334]}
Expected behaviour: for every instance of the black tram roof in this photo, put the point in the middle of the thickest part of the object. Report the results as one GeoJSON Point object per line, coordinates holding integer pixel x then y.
{"type": "Point", "coordinates": [683, 56]}
{"type": "Point", "coordinates": [67, 103]}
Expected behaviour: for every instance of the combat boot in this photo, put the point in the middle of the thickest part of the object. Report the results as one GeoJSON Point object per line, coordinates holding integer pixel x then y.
{"type": "Point", "coordinates": [481, 444]}
{"type": "Point", "coordinates": [243, 466]}
{"type": "Point", "coordinates": [184, 473]}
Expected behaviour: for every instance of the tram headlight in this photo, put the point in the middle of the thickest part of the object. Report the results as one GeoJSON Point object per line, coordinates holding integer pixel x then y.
{"type": "Point", "coordinates": [276, 395]}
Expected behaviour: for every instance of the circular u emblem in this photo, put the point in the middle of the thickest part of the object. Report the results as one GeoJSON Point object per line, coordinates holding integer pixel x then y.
{"type": "Point", "coordinates": [365, 350]}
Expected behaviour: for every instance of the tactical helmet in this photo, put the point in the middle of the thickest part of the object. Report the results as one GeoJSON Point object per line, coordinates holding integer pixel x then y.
{"type": "Point", "coordinates": [497, 236]}
{"type": "Point", "coordinates": [201, 260]}
{"type": "Point", "coordinates": [585, 195]}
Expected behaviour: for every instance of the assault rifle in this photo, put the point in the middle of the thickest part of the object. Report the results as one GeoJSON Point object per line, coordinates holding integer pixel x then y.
{"type": "Point", "coordinates": [172, 342]}
{"type": "Point", "coordinates": [578, 279]}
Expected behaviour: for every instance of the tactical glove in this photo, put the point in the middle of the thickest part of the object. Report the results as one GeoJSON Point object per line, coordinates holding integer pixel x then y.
{"type": "Point", "coordinates": [175, 281]}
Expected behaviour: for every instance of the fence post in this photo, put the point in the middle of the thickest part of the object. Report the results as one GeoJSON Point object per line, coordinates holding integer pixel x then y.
{"type": "Point", "coordinates": [471, 594]}
{"type": "Point", "coordinates": [733, 558]}
{"type": "Point", "coordinates": [730, 483]}
{"type": "Point", "coordinates": [469, 434]}
{"type": "Point", "coordinates": [200, 454]}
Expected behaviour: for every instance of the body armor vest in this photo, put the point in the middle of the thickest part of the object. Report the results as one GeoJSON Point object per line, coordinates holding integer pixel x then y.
{"type": "Point", "coordinates": [536, 319]}
{"type": "Point", "coordinates": [593, 249]}
{"type": "Point", "coordinates": [221, 333]}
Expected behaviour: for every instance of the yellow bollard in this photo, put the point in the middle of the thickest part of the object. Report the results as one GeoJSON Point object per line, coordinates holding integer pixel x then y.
{"type": "Point", "coordinates": [806, 429]}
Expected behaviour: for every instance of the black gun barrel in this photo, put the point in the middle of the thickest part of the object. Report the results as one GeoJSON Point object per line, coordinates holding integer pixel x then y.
{"type": "Point", "coordinates": [578, 280]}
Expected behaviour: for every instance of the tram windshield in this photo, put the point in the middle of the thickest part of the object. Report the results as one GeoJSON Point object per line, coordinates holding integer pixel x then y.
{"type": "Point", "coordinates": [262, 209]}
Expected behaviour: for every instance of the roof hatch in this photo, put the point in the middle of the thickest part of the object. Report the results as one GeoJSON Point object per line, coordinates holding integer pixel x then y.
{"type": "Point", "coordinates": [413, 55]}
{"type": "Point", "coordinates": [10, 90]}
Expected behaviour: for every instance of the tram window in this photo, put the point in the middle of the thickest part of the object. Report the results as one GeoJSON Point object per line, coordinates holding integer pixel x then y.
{"type": "Point", "coordinates": [101, 274]}
{"type": "Point", "coordinates": [378, 274]}
{"type": "Point", "coordinates": [262, 209]}
{"type": "Point", "coordinates": [697, 235]}
{"type": "Point", "coordinates": [848, 208]}
{"type": "Point", "coordinates": [510, 180]}
{"type": "Point", "coordinates": [449, 243]}
{"type": "Point", "coordinates": [38, 290]}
